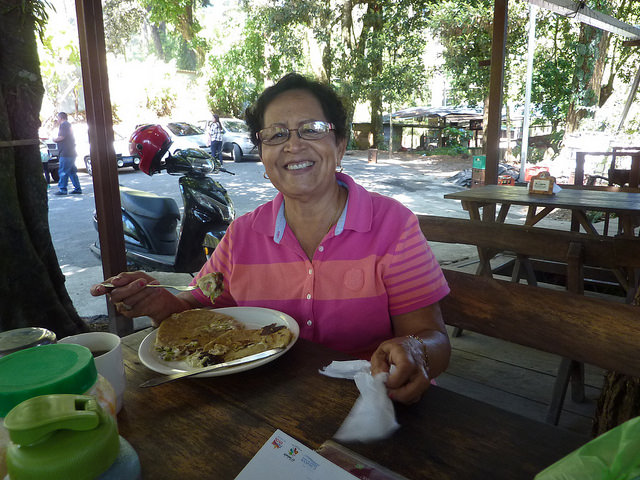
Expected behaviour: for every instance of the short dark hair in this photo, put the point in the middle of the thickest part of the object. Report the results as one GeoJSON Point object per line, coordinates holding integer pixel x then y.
{"type": "Point", "coordinates": [63, 115]}
{"type": "Point", "coordinates": [332, 106]}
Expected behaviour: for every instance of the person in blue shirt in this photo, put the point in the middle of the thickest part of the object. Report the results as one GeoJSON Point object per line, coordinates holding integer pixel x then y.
{"type": "Point", "coordinates": [67, 155]}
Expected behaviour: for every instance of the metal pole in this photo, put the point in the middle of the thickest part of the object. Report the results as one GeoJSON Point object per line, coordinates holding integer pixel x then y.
{"type": "Point", "coordinates": [524, 150]}
{"type": "Point", "coordinates": [632, 93]}
{"type": "Point", "coordinates": [390, 130]}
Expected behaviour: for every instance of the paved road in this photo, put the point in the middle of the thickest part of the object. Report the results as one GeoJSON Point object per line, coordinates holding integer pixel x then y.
{"type": "Point", "coordinates": [70, 217]}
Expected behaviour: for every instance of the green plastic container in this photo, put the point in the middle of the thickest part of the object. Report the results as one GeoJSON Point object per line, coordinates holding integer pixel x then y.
{"type": "Point", "coordinates": [60, 437]}
{"type": "Point", "coordinates": [46, 369]}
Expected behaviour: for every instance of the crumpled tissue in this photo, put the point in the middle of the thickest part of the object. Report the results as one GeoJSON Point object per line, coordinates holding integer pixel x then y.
{"type": "Point", "coordinates": [372, 416]}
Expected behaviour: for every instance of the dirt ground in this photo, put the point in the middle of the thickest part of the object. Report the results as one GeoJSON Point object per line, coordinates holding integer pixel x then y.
{"type": "Point", "coordinates": [441, 165]}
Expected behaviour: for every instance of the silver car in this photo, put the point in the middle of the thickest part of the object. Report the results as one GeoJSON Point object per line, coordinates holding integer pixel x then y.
{"type": "Point", "coordinates": [236, 139]}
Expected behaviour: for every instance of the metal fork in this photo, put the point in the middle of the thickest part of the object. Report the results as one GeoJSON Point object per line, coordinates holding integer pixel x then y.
{"type": "Point", "coordinates": [180, 288]}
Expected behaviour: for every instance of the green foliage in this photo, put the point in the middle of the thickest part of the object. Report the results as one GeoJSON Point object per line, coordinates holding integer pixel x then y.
{"type": "Point", "coordinates": [161, 102]}
{"type": "Point", "coordinates": [551, 85]}
{"type": "Point", "coordinates": [123, 20]}
{"type": "Point", "coordinates": [182, 17]}
{"type": "Point", "coordinates": [231, 86]}
{"type": "Point", "coordinates": [456, 136]}
{"type": "Point", "coordinates": [60, 66]}
{"type": "Point", "coordinates": [454, 150]}
{"type": "Point", "coordinates": [35, 11]}
{"type": "Point", "coordinates": [465, 33]}
{"type": "Point", "coordinates": [370, 51]}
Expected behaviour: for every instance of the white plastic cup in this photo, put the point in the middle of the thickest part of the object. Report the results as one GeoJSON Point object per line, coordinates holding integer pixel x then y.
{"type": "Point", "coordinates": [107, 352]}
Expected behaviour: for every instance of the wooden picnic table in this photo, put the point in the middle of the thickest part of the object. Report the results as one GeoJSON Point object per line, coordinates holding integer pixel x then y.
{"type": "Point", "coordinates": [212, 427]}
{"type": "Point", "coordinates": [625, 204]}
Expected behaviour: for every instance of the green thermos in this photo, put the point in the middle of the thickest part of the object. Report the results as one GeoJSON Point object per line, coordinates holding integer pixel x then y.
{"type": "Point", "coordinates": [66, 437]}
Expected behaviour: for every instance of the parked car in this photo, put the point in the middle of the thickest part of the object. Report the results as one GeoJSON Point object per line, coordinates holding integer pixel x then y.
{"type": "Point", "coordinates": [120, 145]}
{"type": "Point", "coordinates": [236, 139]}
{"type": "Point", "coordinates": [51, 149]}
{"type": "Point", "coordinates": [186, 135]}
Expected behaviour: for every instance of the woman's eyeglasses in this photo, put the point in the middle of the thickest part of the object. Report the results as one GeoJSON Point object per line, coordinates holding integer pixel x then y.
{"type": "Point", "coordinates": [308, 131]}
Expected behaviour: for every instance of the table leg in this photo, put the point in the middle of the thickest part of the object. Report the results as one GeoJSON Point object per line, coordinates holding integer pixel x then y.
{"type": "Point", "coordinates": [504, 210]}
{"type": "Point", "coordinates": [584, 222]}
{"type": "Point", "coordinates": [533, 217]}
{"type": "Point", "coordinates": [484, 255]}
{"type": "Point", "coordinates": [634, 177]}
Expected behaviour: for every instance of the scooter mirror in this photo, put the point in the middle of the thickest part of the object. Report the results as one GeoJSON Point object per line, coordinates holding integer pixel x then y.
{"type": "Point", "coordinates": [191, 160]}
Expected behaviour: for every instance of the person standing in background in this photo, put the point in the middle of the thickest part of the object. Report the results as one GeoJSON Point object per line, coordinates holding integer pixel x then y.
{"type": "Point", "coordinates": [215, 132]}
{"type": "Point", "coordinates": [67, 155]}
{"type": "Point", "coordinates": [44, 156]}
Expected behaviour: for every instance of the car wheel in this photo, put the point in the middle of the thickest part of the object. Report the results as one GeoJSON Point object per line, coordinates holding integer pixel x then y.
{"type": "Point", "coordinates": [136, 167]}
{"type": "Point", "coordinates": [236, 153]}
{"type": "Point", "coordinates": [54, 174]}
{"type": "Point", "coordinates": [87, 164]}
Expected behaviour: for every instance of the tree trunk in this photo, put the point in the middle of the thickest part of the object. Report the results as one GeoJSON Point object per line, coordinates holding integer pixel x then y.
{"type": "Point", "coordinates": [587, 76]}
{"type": "Point", "coordinates": [376, 65]}
{"type": "Point", "coordinates": [32, 291]}
{"type": "Point", "coordinates": [619, 400]}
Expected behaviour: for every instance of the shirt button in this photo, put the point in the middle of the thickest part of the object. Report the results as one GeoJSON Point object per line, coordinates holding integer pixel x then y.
{"type": "Point", "coordinates": [321, 248]}
{"type": "Point", "coordinates": [308, 296]}
{"type": "Point", "coordinates": [309, 322]}
{"type": "Point", "coordinates": [310, 271]}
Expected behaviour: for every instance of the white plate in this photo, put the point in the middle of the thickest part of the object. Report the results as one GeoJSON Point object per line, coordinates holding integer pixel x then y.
{"type": "Point", "coordinates": [251, 317]}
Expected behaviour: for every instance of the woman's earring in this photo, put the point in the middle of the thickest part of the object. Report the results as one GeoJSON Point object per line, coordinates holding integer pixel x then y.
{"type": "Point", "coordinates": [266, 177]}
{"type": "Point", "coordinates": [339, 168]}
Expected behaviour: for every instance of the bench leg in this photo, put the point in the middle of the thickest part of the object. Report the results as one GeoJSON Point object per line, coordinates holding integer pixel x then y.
{"type": "Point", "coordinates": [577, 382]}
{"type": "Point", "coordinates": [568, 370]}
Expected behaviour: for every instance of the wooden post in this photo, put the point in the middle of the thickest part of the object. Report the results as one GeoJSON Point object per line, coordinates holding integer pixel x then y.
{"type": "Point", "coordinates": [103, 158]}
{"type": "Point", "coordinates": [494, 123]}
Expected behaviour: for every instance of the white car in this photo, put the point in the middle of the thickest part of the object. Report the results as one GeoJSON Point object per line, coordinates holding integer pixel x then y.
{"type": "Point", "coordinates": [83, 150]}
{"type": "Point", "coordinates": [186, 135]}
{"type": "Point", "coordinates": [121, 147]}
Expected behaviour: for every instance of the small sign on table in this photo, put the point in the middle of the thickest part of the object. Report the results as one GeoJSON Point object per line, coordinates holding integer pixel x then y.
{"type": "Point", "coordinates": [542, 183]}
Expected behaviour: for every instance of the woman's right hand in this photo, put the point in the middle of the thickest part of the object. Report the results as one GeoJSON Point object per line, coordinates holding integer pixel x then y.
{"type": "Point", "coordinates": [132, 299]}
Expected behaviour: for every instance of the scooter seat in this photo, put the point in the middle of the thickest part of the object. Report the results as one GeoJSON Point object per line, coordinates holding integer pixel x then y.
{"type": "Point", "coordinates": [148, 204]}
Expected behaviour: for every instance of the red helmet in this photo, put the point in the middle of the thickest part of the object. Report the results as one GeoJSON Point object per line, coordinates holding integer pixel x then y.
{"type": "Point", "coordinates": [150, 143]}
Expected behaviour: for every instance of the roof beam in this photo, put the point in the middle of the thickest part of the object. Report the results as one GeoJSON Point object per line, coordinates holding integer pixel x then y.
{"type": "Point", "coordinates": [584, 14]}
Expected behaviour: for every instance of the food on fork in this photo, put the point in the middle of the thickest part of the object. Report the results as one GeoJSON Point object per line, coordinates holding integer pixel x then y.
{"type": "Point", "coordinates": [211, 285]}
{"type": "Point", "coordinates": [203, 337]}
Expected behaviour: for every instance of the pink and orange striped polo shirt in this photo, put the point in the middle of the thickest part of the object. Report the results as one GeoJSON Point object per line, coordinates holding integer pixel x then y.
{"type": "Point", "coordinates": [375, 263]}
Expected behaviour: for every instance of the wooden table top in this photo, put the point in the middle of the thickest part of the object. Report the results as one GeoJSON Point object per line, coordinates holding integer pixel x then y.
{"type": "Point", "coordinates": [598, 200]}
{"type": "Point", "coordinates": [212, 427]}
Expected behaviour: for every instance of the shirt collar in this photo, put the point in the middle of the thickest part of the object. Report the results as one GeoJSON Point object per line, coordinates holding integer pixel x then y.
{"type": "Point", "coordinates": [357, 214]}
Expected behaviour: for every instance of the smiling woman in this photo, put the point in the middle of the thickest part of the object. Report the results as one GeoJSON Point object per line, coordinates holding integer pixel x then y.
{"type": "Point", "coordinates": [351, 267]}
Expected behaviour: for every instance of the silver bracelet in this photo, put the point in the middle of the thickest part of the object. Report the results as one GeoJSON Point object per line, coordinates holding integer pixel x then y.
{"type": "Point", "coordinates": [425, 354]}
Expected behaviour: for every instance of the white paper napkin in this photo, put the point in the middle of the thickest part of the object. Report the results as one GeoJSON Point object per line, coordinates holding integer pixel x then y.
{"type": "Point", "coordinates": [372, 416]}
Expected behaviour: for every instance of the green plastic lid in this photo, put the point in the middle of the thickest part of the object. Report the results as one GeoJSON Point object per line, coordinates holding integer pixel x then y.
{"type": "Point", "coordinates": [58, 368]}
{"type": "Point", "coordinates": [60, 437]}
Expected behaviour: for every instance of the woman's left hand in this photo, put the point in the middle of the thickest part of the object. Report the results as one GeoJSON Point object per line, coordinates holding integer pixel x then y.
{"type": "Point", "coordinates": [409, 380]}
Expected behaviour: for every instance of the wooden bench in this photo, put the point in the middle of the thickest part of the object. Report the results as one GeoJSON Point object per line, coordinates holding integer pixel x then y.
{"type": "Point", "coordinates": [579, 328]}
{"type": "Point", "coordinates": [585, 329]}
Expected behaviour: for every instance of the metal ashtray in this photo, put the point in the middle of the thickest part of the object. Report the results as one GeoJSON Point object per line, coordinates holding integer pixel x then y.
{"type": "Point", "coordinates": [20, 338]}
